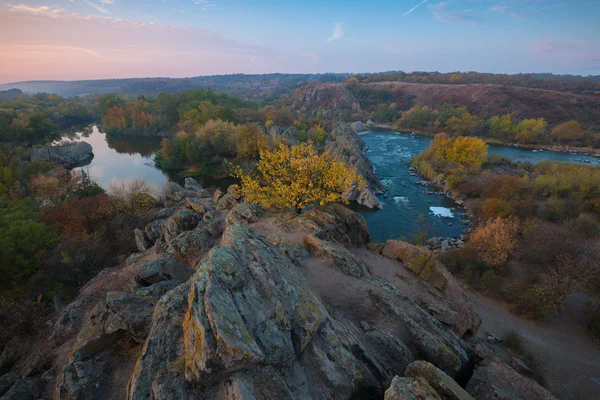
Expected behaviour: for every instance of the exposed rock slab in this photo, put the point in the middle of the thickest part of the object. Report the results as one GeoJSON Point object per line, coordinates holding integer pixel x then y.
{"type": "Point", "coordinates": [497, 381]}
{"type": "Point", "coordinates": [445, 386]}
{"type": "Point", "coordinates": [69, 155]}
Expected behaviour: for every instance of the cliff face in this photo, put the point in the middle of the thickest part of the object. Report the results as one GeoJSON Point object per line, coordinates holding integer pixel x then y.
{"type": "Point", "coordinates": [224, 301]}
{"type": "Point", "coordinates": [350, 147]}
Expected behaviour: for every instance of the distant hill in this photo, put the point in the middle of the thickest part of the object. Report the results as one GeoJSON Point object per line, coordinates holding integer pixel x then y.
{"type": "Point", "coordinates": [237, 85]}
{"type": "Point", "coordinates": [274, 85]}
{"type": "Point", "coordinates": [10, 94]}
{"type": "Point", "coordinates": [484, 100]}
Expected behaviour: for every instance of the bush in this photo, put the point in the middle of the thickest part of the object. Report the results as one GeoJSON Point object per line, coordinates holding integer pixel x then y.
{"type": "Point", "coordinates": [493, 208]}
{"type": "Point", "coordinates": [495, 240]}
{"type": "Point", "coordinates": [504, 186]}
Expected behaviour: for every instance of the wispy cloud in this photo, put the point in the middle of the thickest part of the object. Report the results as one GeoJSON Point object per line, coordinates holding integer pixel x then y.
{"type": "Point", "coordinates": [205, 4]}
{"type": "Point", "coordinates": [98, 7]}
{"type": "Point", "coordinates": [548, 48]}
{"type": "Point", "coordinates": [505, 8]}
{"type": "Point", "coordinates": [42, 10]}
{"type": "Point", "coordinates": [338, 32]}
{"type": "Point", "coordinates": [441, 12]}
{"type": "Point", "coordinates": [414, 8]}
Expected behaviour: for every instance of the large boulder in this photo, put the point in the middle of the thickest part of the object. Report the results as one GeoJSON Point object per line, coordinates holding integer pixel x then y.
{"type": "Point", "coordinates": [420, 260]}
{"type": "Point", "coordinates": [410, 389]}
{"type": "Point", "coordinates": [69, 155]}
{"type": "Point", "coordinates": [442, 383]}
{"type": "Point", "coordinates": [334, 222]}
{"type": "Point", "coordinates": [182, 220]}
{"type": "Point", "coordinates": [244, 212]}
{"type": "Point", "coordinates": [359, 127]}
{"type": "Point", "coordinates": [497, 381]}
{"type": "Point", "coordinates": [226, 202]}
{"type": "Point", "coordinates": [364, 197]}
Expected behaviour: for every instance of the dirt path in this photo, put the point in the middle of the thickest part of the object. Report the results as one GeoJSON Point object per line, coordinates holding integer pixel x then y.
{"type": "Point", "coordinates": [570, 360]}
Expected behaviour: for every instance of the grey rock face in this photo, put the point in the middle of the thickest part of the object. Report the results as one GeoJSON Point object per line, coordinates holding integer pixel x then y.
{"type": "Point", "coordinates": [226, 202]}
{"type": "Point", "coordinates": [69, 155]}
{"type": "Point", "coordinates": [350, 148]}
{"type": "Point", "coordinates": [158, 373]}
{"type": "Point", "coordinates": [338, 256]}
{"type": "Point", "coordinates": [442, 383]}
{"type": "Point", "coordinates": [163, 270]}
{"type": "Point", "coordinates": [335, 222]}
{"type": "Point", "coordinates": [244, 213]}
{"type": "Point", "coordinates": [438, 344]}
{"type": "Point", "coordinates": [494, 380]}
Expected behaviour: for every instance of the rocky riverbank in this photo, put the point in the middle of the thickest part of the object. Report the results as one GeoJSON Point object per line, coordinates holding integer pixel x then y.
{"type": "Point", "coordinates": [227, 301]}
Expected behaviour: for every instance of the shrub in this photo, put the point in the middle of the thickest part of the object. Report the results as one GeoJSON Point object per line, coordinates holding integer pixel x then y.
{"type": "Point", "coordinates": [495, 240]}
{"type": "Point", "coordinates": [544, 242]}
{"type": "Point", "coordinates": [504, 186]}
{"type": "Point", "coordinates": [496, 208]}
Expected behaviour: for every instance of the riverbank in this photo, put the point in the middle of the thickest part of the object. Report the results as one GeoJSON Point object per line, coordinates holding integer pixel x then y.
{"type": "Point", "coordinates": [583, 151]}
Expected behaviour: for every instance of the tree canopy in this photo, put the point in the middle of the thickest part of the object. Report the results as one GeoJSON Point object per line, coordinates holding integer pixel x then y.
{"type": "Point", "coordinates": [298, 177]}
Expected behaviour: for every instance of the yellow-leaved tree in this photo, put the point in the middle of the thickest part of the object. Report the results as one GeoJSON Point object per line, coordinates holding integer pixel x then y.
{"type": "Point", "coordinates": [298, 177]}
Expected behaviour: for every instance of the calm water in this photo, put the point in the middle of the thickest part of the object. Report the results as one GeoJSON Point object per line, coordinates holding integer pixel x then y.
{"type": "Point", "coordinates": [121, 159]}
{"type": "Point", "coordinates": [407, 210]}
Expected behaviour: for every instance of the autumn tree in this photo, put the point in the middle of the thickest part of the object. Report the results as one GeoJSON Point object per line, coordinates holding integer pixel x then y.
{"type": "Point", "coordinates": [298, 177]}
{"type": "Point", "coordinates": [469, 152]}
{"type": "Point", "coordinates": [464, 124]}
{"type": "Point", "coordinates": [501, 127]}
{"type": "Point", "coordinates": [250, 140]}
{"type": "Point", "coordinates": [494, 241]}
{"type": "Point", "coordinates": [530, 130]}
{"type": "Point", "coordinates": [567, 132]}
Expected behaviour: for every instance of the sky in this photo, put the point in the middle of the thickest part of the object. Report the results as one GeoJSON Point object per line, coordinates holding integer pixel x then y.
{"type": "Point", "coordinates": [94, 39]}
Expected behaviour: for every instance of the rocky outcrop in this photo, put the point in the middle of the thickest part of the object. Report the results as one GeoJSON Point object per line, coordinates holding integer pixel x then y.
{"type": "Point", "coordinates": [348, 146]}
{"type": "Point", "coordinates": [337, 255]}
{"type": "Point", "coordinates": [495, 380]}
{"type": "Point", "coordinates": [69, 155]}
{"type": "Point", "coordinates": [455, 311]}
{"type": "Point", "coordinates": [445, 386]}
{"type": "Point", "coordinates": [253, 325]}
{"type": "Point", "coordinates": [253, 304]}
{"type": "Point", "coordinates": [327, 98]}
{"type": "Point", "coordinates": [335, 222]}
{"type": "Point", "coordinates": [359, 127]}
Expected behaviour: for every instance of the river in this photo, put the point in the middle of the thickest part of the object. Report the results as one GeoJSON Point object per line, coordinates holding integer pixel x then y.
{"type": "Point", "coordinates": [407, 208]}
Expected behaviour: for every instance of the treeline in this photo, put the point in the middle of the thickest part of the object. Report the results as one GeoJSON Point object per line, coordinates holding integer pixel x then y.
{"type": "Point", "coordinates": [565, 83]}
{"type": "Point", "coordinates": [504, 128]}
{"type": "Point", "coordinates": [166, 113]}
{"type": "Point", "coordinates": [58, 229]}
{"type": "Point", "coordinates": [536, 228]}
{"type": "Point", "coordinates": [36, 118]}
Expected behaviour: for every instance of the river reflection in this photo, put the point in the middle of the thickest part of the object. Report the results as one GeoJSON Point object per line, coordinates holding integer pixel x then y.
{"type": "Point", "coordinates": [121, 159]}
